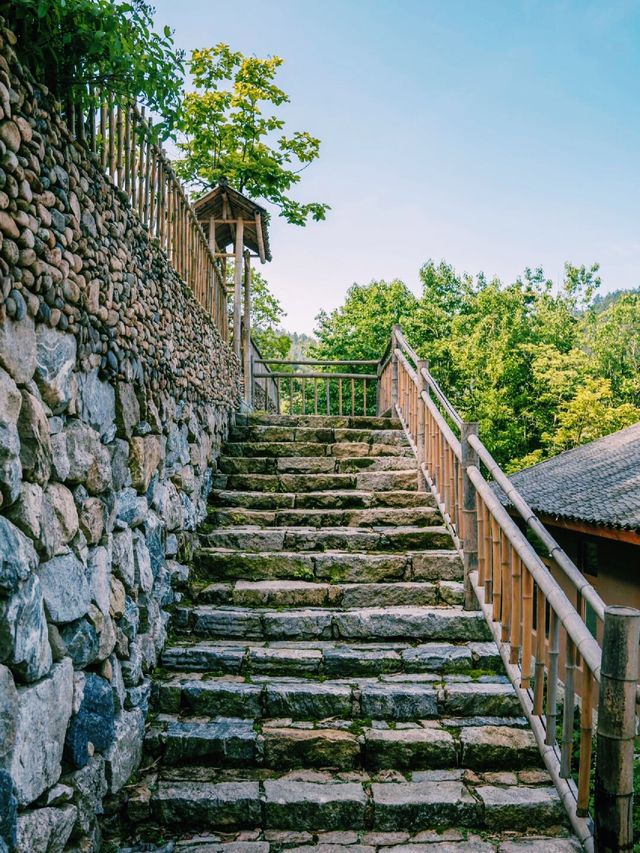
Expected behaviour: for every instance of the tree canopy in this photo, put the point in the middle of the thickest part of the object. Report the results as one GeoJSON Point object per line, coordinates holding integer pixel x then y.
{"type": "Point", "coordinates": [110, 45]}
{"type": "Point", "coordinates": [539, 367]}
{"type": "Point", "coordinates": [232, 133]}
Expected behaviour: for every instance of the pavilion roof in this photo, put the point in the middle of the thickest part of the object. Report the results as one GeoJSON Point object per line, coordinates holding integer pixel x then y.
{"type": "Point", "coordinates": [223, 202]}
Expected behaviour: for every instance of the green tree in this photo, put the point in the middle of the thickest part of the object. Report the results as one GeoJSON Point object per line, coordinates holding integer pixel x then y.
{"type": "Point", "coordinates": [614, 338]}
{"type": "Point", "coordinates": [266, 319]}
{"type": "Point", "coordinates": [107, 44]}
{"type": "Point", "coordinates": [590, 414]}
{"type": "Point", "coordinates": [360, 329]}
{"type": "Point", "coordinates": [231, 133]}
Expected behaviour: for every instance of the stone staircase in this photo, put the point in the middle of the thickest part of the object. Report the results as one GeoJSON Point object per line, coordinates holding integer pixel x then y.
{"type": "Point", "coordinates": [324, 687]}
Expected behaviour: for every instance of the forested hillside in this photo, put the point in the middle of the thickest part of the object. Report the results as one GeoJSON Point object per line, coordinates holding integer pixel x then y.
{"type": "Point", "coordinates": [542, 369]}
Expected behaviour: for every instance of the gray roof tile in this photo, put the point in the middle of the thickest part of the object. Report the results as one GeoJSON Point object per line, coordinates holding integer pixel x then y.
{"type": "Point", "coordinates": [597, 483]}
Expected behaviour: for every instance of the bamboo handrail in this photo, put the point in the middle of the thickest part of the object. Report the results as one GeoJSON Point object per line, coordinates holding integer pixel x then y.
{"type": "Point", "coordinates": [539, 629]}
{"type": "Point", "coordinates": [295, 399]}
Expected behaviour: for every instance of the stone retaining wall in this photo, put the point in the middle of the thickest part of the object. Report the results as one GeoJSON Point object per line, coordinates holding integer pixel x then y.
{"type": "Point", "coordinates": [115, 394]}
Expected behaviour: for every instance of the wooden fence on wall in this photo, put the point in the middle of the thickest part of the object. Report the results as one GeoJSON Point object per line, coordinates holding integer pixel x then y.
{"type": "Point", "coordinates": [122, 139]}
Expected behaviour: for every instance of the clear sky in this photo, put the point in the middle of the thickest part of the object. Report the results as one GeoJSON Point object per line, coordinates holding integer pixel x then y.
{"type": "Point", "coordinates": [495, 134]}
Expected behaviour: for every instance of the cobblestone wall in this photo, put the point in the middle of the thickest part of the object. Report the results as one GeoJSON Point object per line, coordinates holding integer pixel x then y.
{"type": "Point", "coordinates": [115, 394]}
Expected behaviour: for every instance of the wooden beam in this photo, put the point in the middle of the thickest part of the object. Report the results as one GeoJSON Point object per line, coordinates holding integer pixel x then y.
{"type": "Point", "coordinates": [260, 239]}
{"type": "Point", "coordinates": [246, 332]}
{"type": "Point", "coordinates": [630, 536]}
{"type": "Point", "coordinates": [237, 292]}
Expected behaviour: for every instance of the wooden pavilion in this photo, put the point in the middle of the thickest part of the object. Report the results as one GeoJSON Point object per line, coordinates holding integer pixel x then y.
{"type": "Point", "coordinates": [237, 230]}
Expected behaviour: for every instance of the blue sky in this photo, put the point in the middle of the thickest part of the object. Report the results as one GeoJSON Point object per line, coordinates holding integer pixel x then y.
{"type": "Point", "coordinates": [495, 134]}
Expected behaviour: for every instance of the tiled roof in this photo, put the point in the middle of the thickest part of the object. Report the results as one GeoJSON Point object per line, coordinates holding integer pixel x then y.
{"type": "Point", "coordinates": [596, 483]}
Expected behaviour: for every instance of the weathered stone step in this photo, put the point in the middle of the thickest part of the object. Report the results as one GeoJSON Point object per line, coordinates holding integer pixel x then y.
{"type": "Point", "coordinates": [345, 499]}
{"type": "Point", "coordinates": [364, 841]}
{"type": "Point", "coordinates": [337, 449]}
{"type": "Point", "coordinates": [419, 516]}
{"type": "Point", "coordinates": [435, 799]}
{"type": "Point", "coordinates": [281, 745]}
{"type": "Point", "coordinates": [371, 623]}
{"type": "Point", "coordinates": [312, 464]}
{"type": "Point", "coordinates": [394, 698]}
{"type": "Point", "coordinates": [283, 593]}
{"type": "Point", "coordinates": [351, 539]}
{"type": "Point", "coordinates": [319, 421]}
{"type": "Point", "coordinates": [323, 435]}
{"type": "Point", "coordinates": [372, 480]}
{"type": "Point", "coordinates": [333, 566]}
{"type": "Point", "coordinates": [324, 658]}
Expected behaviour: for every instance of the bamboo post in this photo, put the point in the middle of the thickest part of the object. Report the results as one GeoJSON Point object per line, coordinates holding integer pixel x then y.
{"type": "Point", "coordinates": [552, 678]}
{"type": "Point", "coordinates": [237, 281]}
{"type": "Point", "coordinates": [420, 431]}
{"type": "Point", "coordinates": [394, 374]}
{"type": "Point", "coordinates": [616, 730]}
{"type": "Point", "coordinates": [469, 503]}
{"type": "Point", "coordinates": [246, 328]}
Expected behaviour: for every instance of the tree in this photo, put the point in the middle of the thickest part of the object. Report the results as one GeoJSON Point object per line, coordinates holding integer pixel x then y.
{"type": "Point", "coordinates": [266, 318]}
{"type": "Point", "coordinates": [591, 414]}
{"type": "Point", "coordinates": [614, 338]}
{"type": "Point", "coordinates": [535, 364]}
{"type": "Point", "coordinates": [106, 44]}
{"type": "Point", "coordinates": [228, 134]}
{"type": "Point", "coordinates": [360, 328]}
{"type": "Point", "coordinates": [267, 314]}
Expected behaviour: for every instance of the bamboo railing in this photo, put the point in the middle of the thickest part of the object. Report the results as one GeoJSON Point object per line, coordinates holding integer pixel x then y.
{"type": "Point", "coordinates": [565, 677]}
{"type": "Point", "coordinates": [122, 139]}
{"type": "Point", "coordinates": [306, 389]}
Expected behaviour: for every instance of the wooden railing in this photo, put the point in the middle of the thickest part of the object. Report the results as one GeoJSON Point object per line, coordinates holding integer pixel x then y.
{"type": "Point", "coordinates": [304, 388]}
{"type": "Point", "coordinates": [123, 141]}
{"type": "Point", "coordinates": [565, 678]}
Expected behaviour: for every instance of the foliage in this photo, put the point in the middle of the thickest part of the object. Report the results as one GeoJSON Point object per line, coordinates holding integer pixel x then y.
{"type": "Point", "coordinates": [266, 318]}
{"type": "Point", "coordinates": [537, 366]}
{"type": "Point", "coordinates": [266, 315]}
{"type": "Point", "coordinates": [359, 329]}
{"type": "Point", "coordinates": [230, 136]}
{"type": "Point", "coordinates": [108, 44]}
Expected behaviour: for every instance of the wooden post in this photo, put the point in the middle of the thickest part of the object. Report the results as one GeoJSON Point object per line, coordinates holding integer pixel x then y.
{"type": "Point", "coordinates": [237, 292]}
{"type": "Point", "coordinates": [246, 330]}
{"type": "Point", "coordinates": [470, 515]}
{"type": "Point", "coordinates": [394, 372]}
{"type": "Point", "coordinates": [616, 730]}
{"type": "Point", "coordinates": [422, 386]}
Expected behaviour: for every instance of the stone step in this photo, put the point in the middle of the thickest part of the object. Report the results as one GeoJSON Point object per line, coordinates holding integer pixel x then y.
{"type": "Point", "coordinates": [383, 481]}
{"type": "Point", "coordinates": [322, 435]}
{"type": "Point", "coordinates": [319, 421]}
{"type": "Point", "coordinates": [324, 658]}
{"type": "Point", "coordinates": [394, 698]}
{"type": "Point", "coordinates": [435, 799]}
{"type": "Point", "coordinates": [339, 745]}
{"type": "Point", "coordinates": [283, 594]}
{"type": "Point", "coordinates": [367, 623]}
{"type": "Point", "coordinates": [336, 449]}
{"type": "Point", "coordinates": [361, 841]}
{"type": "Point", "coordinates": [332, 566]}
{"type": "Point", "coordinates": [345, 499]}
{"type": "Point", "coordinates": [312, 464]}
{"type": "Point", "coordinates": [419, 516]}
{"type": "Point", "coordinates": [256, 539]}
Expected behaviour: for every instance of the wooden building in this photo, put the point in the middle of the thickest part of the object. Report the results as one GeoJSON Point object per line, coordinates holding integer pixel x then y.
{"type": "Point", "coordinates": [237, 230]}
{"type": "Point", "coordinates": [589, 499]}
